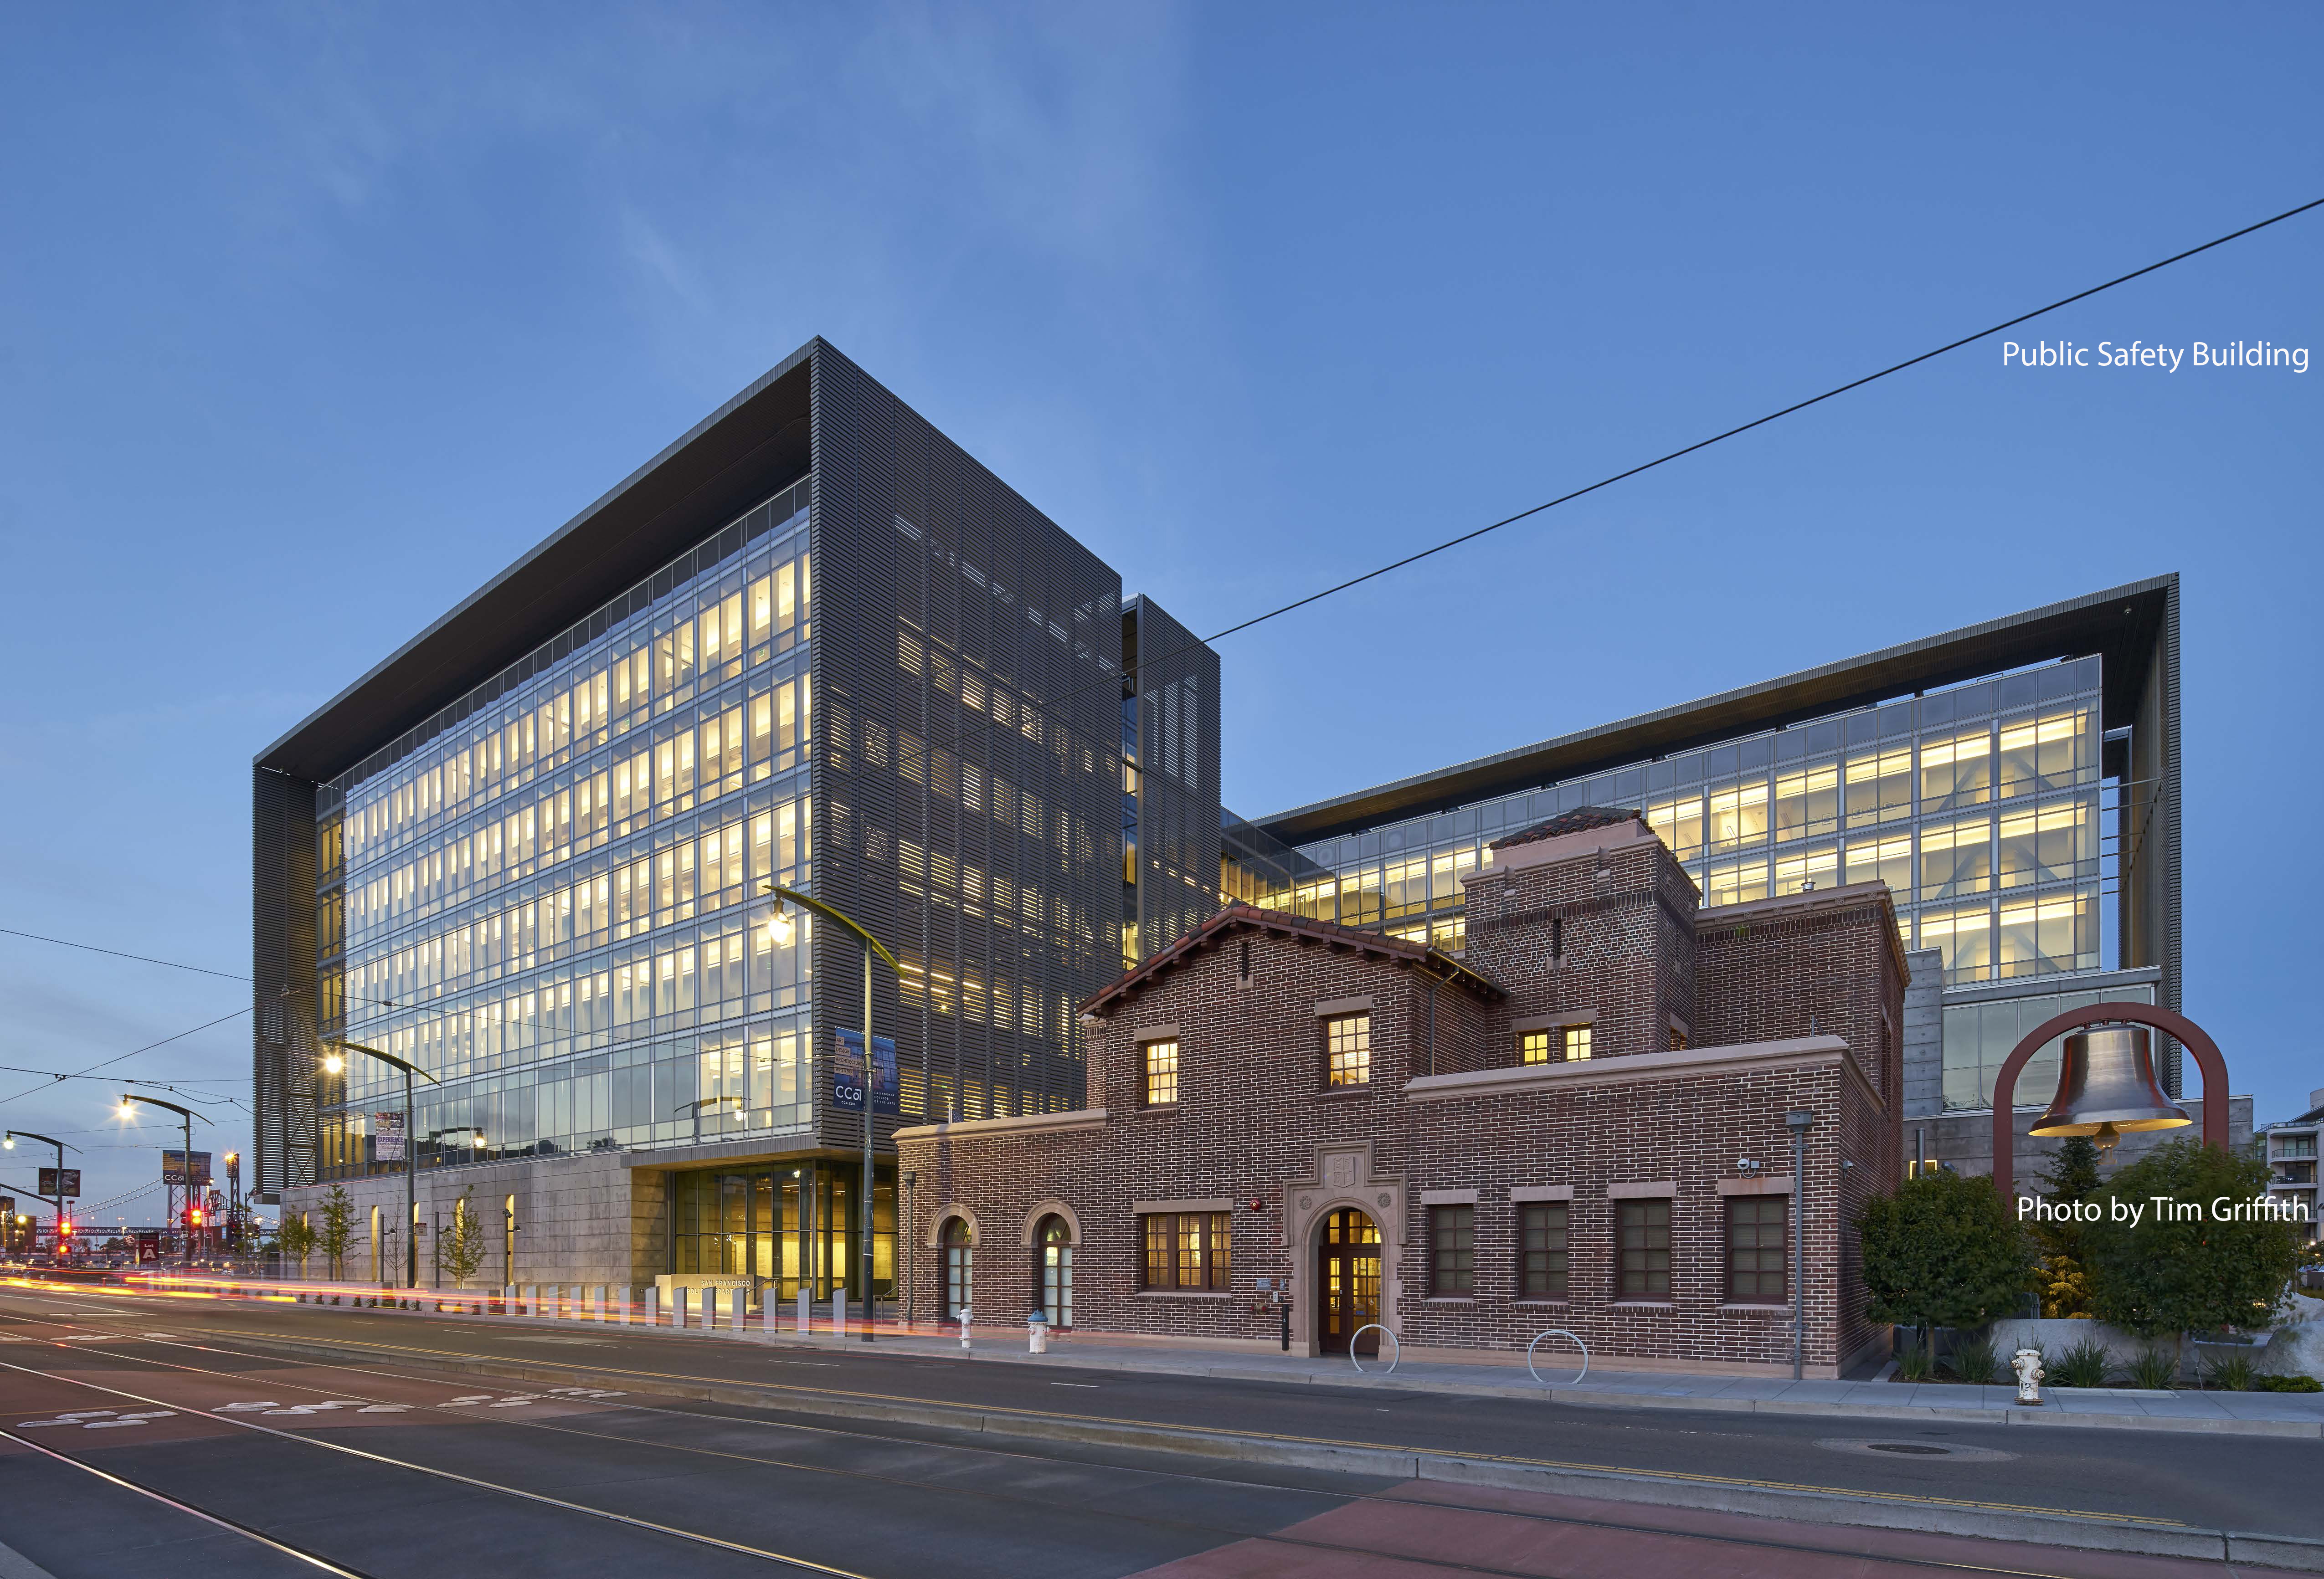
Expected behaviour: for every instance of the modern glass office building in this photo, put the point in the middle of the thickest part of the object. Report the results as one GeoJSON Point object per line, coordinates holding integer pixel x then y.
{"type": "Point", "coordinates": [813, 644]}
{"type": "Point", "coordinates": [2015, 785]}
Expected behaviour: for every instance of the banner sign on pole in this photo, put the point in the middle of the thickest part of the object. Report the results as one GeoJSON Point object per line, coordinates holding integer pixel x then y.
{"type": "Point", "coordinates": [173, 1167]}
{"type": "Point", "coordinates": [387, 1134]}
{"type": "Point", "coordinates": [61, 1181]}
{"type": "Point", "coordinates": [847, 1075]}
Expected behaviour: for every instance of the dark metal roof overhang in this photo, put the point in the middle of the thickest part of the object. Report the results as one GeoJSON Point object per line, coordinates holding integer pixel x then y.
{"type": "Point", "coordinates": [2123, 625]}
{"type": "Point", "coordinates": [742, 453]}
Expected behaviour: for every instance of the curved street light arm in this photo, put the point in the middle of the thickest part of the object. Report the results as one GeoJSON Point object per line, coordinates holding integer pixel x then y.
{"type": "Point", "coordinates": [156, 1102]}
{"type": "Point", "coordinates": [44, 1140]}
{"type": "Point", "coordinates": [830, 913]}
{"type": "Point", "coordinates": [389, 1059]}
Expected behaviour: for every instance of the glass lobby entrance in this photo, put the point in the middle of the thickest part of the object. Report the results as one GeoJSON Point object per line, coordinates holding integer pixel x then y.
{"type": "Point", "coordinates": [786, 1226]}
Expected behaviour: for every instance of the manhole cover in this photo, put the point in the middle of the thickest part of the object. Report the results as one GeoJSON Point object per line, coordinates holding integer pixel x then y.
{"type": "Point", "coordinates": [1906, 1447]}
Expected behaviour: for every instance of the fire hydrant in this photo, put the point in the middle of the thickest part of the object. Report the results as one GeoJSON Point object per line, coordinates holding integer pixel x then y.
{"type": "Point", "coordinates": [1036, 1333]}
{"type": "Point", "coordinates": [964, 1315]}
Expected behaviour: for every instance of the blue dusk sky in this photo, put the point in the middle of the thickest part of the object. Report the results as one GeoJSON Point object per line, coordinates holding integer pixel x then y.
{"type": "Point", "coordinates": [315, 317]}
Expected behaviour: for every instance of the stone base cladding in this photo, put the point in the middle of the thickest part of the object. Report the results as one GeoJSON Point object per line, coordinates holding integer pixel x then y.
{"type": "Point", "coordinates": [1450, 1117]}
{"type": "Point", "coordinates": [580, 1219]}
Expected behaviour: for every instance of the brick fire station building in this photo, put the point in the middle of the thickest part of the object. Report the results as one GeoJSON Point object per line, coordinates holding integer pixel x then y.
{"type": "Point", "coordinates": [1580, 1124]}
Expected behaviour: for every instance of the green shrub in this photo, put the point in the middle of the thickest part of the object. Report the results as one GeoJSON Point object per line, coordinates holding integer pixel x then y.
{"type": "Point", "coordinates": [1943, 1250]}
{"type": "Point", "coordinates": [1913, 1363]}
{"type": "Point", "coordinates": [2286, 1384]}
{"type": "Point", "coordinates": [2083, 1366]}
{"type": "Point", "coordinates": [2232, 1374]}
{"type": "Point", "coordinates": [1975, 1360]}
{"type": "Point", "coordinates": [2160, 1278]}
{"type": "Point", "coordinates": [2156, 1367]}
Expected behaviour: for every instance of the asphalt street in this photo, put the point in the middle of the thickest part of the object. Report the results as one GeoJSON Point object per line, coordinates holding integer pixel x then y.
{"type": "Point", "coordinates": [381, 1465]}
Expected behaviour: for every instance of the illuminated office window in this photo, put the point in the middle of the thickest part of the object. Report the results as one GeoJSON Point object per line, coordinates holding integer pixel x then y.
{"type": "Point", "coordinates": [1807, 803]}
{"type": "Point", "coordinates": [1797, 870]}
{"type": "Point", "coordinates": [1738, 816]}
{"type": "Point", "coordinates": [2051, 932]}
{"type": "Point", "coordinates": [1879, 787]}
{"type": "Point", "coordinates": [1965, 934]}
{"type": "Point", "coordinates": [1680, 824]}
{"type": "Point", "coordinates": [2055, 751]}
{"type": "Point", "coordinates": [1882, 859]}
{"type": "Point", "coordinates": [1957, 771]}
{"type": "Point", "coordinates": [2048, 844]}
{"type": "Point", "coordinates": [1956, 859]}
{"type": "Point", "coordinates": [1348, 1050]}
{"type": "Point", "coordinates": [1736, 881]}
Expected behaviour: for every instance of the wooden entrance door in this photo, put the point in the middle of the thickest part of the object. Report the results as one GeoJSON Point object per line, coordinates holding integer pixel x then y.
{"type": "Point", "coordinates": [1348, 1279]}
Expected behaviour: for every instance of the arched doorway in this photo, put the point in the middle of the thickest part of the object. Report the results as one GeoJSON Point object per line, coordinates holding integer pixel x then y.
{"type": "Point", "coordinates": [959, 1267]}
{"type": "Point", "coordinates": [1053, 1244]}
{"type": "Point", "coordinates": [1348, 1281]}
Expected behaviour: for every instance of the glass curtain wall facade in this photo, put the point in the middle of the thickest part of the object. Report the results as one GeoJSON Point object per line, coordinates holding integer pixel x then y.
{"type": "Point", "coordinates": [1984, 808]}
{"type": "Point", "coordinates": [786, 1227]}
{"type": "Point", "coordinates": [547, 895]}
{"type": "Point", "coordinates": [1170, 816]}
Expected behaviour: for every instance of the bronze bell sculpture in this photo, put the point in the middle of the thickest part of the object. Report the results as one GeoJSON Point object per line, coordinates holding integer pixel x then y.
{"type": "Point", "coordinates": [2106, 1086]}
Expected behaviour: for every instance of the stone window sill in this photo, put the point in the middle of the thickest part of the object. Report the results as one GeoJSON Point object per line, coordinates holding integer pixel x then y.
{"type": "Point", "coordinates": [1342, 1093]}
{"type": "Point", "coordinates": [1160, 1109]}
{"type": "Point", "coordinates": [1776, 1309]}
{"type": "Point", "coordinates": [1541, 1302]}
{"type": "Point", "coordinates": [1185, 1293]}
{"type": "Point", "coordinates": [1643, 1305]}
{"type": "Point", "coordinates": [1450, 1299]}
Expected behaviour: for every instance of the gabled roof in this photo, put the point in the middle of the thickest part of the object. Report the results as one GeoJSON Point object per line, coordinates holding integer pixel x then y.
{"type": "Point", "coordinates": [1580, 820]}
{"type": "Point", "coordinates": [1239, 915]}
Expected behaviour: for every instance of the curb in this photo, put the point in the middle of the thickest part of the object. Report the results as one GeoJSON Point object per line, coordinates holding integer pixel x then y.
{"type": "Point", "coordinates": [2292, 1553]}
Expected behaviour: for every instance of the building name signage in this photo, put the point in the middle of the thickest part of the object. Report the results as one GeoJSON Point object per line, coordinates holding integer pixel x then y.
{"type": "Point", "coordinates": [847, 1075]}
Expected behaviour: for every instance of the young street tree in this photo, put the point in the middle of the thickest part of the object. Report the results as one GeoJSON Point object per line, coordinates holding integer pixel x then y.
{"type": "Point", "coordinates": [339, 1229]}
{"type": "Point", "coordinates": [2073, 1173]}
{"type": "Point", "coordinates": [463, 1244]}
{"type": "Point", "coordinates": [2161, 1277]}
{"type": "Point", "coordinates": [1943, 1250]}
{"type": "Point", "coordinates": [295, 1238]}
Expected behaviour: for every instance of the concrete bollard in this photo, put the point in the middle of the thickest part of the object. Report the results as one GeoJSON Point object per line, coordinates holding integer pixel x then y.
{"type": "Point", "coordinates": [678, 1302]}
{"type": "Point", "coordinates": [839, 1313]}
{"type": "Point", "coordinates": [805, 1322]}
{"type": "Point", "coordinates": [508, 1299]}
{"type": "Point", "coordinates": [653, 1306]}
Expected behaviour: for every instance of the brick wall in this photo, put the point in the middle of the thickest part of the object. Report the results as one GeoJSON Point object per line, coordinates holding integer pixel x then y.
{"type": "Point", "coordinates": [1445, 1113]}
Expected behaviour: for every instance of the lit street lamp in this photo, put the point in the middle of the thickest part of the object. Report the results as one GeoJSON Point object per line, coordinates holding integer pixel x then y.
{"type": "Point", "coordinates": [185, 1158]}
{"type": "Point", "coordinates": [334, 1062]}
{"type": "Point", "coordinates": [779, 926]}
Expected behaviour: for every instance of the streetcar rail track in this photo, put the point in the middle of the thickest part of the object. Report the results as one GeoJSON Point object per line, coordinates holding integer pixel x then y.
{"type": "Point", "coordinates": [987, 1494]}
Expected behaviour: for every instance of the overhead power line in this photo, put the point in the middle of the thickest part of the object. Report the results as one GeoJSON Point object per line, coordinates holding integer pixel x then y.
{"type": "Point", "coordinates": [1662, 460]}
{"type": "Point", "coordinates": [107, 1063]}
{"type": "Point", "coordinates": [123, 954]}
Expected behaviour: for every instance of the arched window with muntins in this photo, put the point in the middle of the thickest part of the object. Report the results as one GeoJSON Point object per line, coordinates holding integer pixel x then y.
{"type": "Point", "coordinates": [1053, 1268]}
{"type": "Point", "coordinates": [959, 1267]}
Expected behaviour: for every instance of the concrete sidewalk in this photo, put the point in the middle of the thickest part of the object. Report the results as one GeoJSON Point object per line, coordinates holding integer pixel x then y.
{"type": "Point", "coordinates": [2270, 1414]}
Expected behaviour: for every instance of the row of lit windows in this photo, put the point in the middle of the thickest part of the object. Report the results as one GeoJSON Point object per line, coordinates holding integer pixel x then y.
{"type": "Point", "coordinates": [726, 865]}
{"type": "Point", "coordinates": [739, 1081]}
{"type": "Point", "coordinates": [696, 976]}
{"type": "Point", "coordinates": [1757, 1235]}
{"type": "Point", "coordinates": [657, 663]}
{"type": "Point", "coordinates": [688, 767]}
{"type": "Point", "coordinates": [2035, 756]}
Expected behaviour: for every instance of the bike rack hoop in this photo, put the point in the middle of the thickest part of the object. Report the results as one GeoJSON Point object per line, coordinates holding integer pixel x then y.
{"type": "Point", "coordinates": [1558, 1331]}
{"type": "Point", "coordinates": [1394, 1360]}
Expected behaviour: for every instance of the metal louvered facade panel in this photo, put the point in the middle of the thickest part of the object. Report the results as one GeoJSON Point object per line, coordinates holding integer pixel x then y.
{"type": "Point", "coordinates": [966, 788]}
{"type": "Point", "coordinates": [1175, 680]}
{"type": "Point", "coordinates": [282, 978]}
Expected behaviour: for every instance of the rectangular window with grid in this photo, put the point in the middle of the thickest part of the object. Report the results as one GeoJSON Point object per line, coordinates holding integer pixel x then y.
{"type": "Point", "coordinates": [1541, 1250]}
{"type": "Point", "coordinates": [1643, 1249]}
{"type": "Point", "coordinates": [1577, 1042]}
{"type": "Point", "coordinates": [1533, 1046]}
{"type": "Point", "coordinates": [1348, 1050]}
{"type": "Point", "coordinates": [1452, 1239]}
{"type": "Point", "coordinates": [1758, 1231]}
{"type": "Point", "coordinates": [1185, 1250]}
{"type": "Point", "coordinates": [1161, 1073]}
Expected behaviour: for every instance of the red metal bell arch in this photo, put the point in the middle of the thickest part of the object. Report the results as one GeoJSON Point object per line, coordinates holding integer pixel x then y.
{"type": "Point", "coordinates": [2189, 1035]}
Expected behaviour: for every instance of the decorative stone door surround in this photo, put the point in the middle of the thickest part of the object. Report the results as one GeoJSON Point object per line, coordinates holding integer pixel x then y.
{"type": "Point", "coordinates": [1343, 1177]}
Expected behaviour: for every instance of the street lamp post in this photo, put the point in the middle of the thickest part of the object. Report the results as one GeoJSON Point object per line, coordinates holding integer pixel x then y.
{"type": "Point", "coordinates": [779, 925]}
{"type": "Point", "coordinates": [59, 1145]}
{"type": "Point", "coordinates": [186, 1116]}
{"type": "Point", "coordinates": [335, 1063]}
